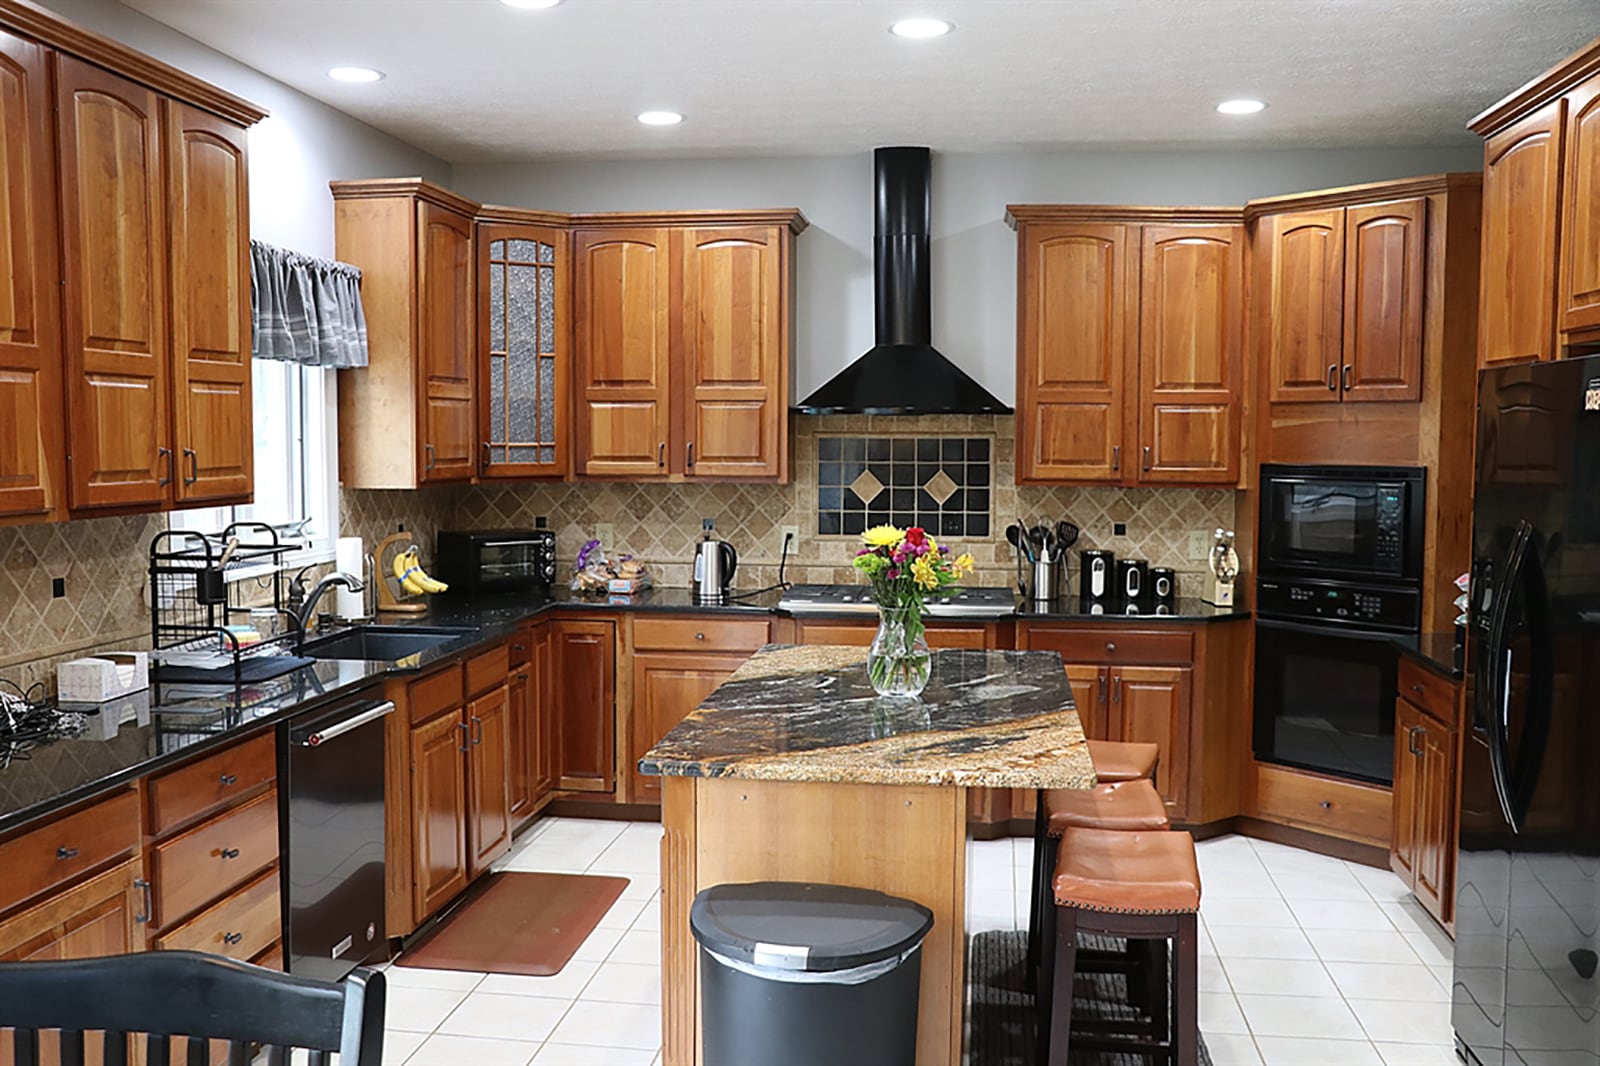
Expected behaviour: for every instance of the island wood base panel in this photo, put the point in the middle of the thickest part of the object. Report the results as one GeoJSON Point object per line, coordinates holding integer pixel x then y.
{"type": "Point", "coordinates": [906, 840]}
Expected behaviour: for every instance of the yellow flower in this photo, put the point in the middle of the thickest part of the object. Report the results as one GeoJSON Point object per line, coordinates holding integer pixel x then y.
{"type": "Point", "coordinates": [922, 569]}
{"type": "Point", "coordinates": [964, 564]}
{"type": "Point", "coordinates": [883, 536]}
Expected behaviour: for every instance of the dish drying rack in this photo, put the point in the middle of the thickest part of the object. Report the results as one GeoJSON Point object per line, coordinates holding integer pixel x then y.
{"type": "Point", "coordinates": [192, 601]}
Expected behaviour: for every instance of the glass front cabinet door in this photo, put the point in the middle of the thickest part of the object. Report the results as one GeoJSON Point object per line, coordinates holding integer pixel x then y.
{"type": "Point", "coordinates": [523, 341]}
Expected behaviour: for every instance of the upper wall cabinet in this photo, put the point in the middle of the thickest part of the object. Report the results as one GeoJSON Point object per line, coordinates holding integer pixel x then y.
{"type": "Point", "coordinates": [1344, 301]}
{"type": "Point", "coordinates": [124, 331]}
{"type": "Point", "coordinates": [524, 356]}
{"type": "Point", "coordinates": [410, 417]}
{"type": "Point", "coordinates": [1129, 332]}
{"type": "Point", "coordinates": [1541, 215]}
{"type": "Point", "coordinates": [682, 330]}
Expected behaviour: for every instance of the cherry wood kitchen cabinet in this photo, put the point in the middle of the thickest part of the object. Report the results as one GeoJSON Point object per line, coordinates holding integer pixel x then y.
{"type": "Point", "coordinates": [682, 333]}
{"type": "Point", "coordinates": [211, 329]}
{"type": "Point", "coordinates": [30, 371]}
{"type": "Point", "coordinates": [1423, 837]}
{"type": "Point", "coordinates": [488, 779]}
{"type": "Point", "coordinates": [583, 703]}
{"type": "Point", "coordinates": [439, 811]}
{"type": "Point", "coordinates": [1578, 295]}
{"type": "Point", "coordinates": [410, 417]}
{"type": "Point", "coordinates": [858, 632]}
{"type": "Point", "coordinates": [522, 727]}
{"type": "Point", "coordinates": [1130, 366]}
{"type": "Point", "coordinates": [547, 753]}
{"type": "Point", "coordinates": [524, 357]}
{"type": "Point", "coordinates": [1306, 250]}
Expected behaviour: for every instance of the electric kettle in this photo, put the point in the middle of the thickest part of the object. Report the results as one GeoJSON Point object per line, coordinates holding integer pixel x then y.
{"type": "Point", "coordinates": [714, 564]}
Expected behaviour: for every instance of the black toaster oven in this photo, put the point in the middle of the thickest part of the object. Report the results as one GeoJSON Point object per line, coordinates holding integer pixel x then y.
{"type": "Point", "coordinates": [486, 562]}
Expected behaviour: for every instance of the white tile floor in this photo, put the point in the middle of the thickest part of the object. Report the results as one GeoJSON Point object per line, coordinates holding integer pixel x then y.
{"type": "Point", "coordinates": [1305, 959]}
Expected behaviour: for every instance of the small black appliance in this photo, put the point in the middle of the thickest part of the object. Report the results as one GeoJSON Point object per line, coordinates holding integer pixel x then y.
{"type": "Point", "coordinates": [1097, 581]}
{"type": "Point", "coordinates": [487, 562]}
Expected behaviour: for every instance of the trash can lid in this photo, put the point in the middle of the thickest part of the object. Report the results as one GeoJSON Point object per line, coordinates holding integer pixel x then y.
{"type": "Point", "coordinates": [800, 927]}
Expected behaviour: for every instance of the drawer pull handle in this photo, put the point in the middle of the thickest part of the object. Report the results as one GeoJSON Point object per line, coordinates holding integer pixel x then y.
{"type": "Point", "coordinates": [144, 888]}
{"type": "Point", "coordinates": [232, 938]}
{"type": "Point", "coordinates": [1110, 647]}
{"type": "Point", "coordinates": [1326, 805]}
{"type": "Point", "coordinates": [228, 779]}
{"type": "Point", "coordinates": [1417, 689]}
{"type": "Point", "coordinates": [699, 636]}
{"type": "Point", "coordinates": [466, 732]}
{"type": "Point", "coordinates": [63, 854]}
{"type": "Point", "coordinates": [1411, 739]}
{"type": "Point", "coordinates": [229, 853]}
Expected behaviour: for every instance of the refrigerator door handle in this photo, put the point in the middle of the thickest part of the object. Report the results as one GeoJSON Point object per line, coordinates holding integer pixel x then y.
{"type": "Point", "coordinates": [1497, 686]}
{"type": "Point", "coordinates": [1540, 702]}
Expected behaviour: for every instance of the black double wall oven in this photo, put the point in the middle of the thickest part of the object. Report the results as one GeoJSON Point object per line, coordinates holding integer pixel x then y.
{"type": "Point", "coordinates": [1340, 575]}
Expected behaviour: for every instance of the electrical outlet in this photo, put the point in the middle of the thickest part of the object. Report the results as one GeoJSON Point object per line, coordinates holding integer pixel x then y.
{"type": "Point", "coordinates": [1199, 544]}
{"type": "Point", "coordinates": [792, 533]}
{"type": "Point", "coordinates": [606, 534]}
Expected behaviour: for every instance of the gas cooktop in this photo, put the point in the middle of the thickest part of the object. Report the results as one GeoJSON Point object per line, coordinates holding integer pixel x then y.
{"type": "Point", "coordinates": [857, 599]}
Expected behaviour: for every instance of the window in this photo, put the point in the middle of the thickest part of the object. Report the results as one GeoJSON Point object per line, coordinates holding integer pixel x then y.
{"type": "Point", "coordinates": [295, 481]}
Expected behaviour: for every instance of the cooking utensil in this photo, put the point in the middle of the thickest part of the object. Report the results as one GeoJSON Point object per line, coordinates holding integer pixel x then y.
{"type": "Point", "coordinates": [1066, 537]}
{"type": "Point", "coordinates": [1023, 542]}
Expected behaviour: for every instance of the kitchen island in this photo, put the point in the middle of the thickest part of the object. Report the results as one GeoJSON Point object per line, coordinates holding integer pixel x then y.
{"type": "Point", "coordinates": [794, 770]}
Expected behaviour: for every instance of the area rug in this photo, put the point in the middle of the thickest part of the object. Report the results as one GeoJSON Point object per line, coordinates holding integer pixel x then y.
{"type": "Point", "coordinates": [1001, 1013]}
{"type": "Point", "coordinates": [522, 923]}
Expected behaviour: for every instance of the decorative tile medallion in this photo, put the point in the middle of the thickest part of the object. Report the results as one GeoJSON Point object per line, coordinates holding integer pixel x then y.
{"type": "Point", "coordinates": [940, 483]}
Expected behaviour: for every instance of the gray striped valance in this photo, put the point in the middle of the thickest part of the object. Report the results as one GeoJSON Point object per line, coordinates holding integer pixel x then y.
{"type": "Point", "coordinates": [306, 310]}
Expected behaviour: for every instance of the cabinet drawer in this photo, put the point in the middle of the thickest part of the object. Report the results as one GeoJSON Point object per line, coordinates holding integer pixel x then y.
{"type": "Point", "coordinates": [245, 925]}
{"type": "Point", "coordinates": [211, 783]}
{"type": "Point", "coordinates": [1336, 808]}
{"type": "Point", "coordinates": [699, 634]}
{"type": "Point", "coordinates": [486, 671]}
{"type": "Point", "coordinates": [1427, 690]}
{"type": "Point", "coordinates": [519, 648]}
{"type": "Point", "coordinates": [57, 852]}
{"type": "Point", "coordinates": [435, 693]}
{"type": "Point", "coordinates": [208, 861]}
{"type": "Point", "coordinates": [1113, 646]}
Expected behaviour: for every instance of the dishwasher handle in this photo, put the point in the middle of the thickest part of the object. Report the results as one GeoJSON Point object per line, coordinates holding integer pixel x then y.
{"type": "Point", "coordinates": [344, 725]}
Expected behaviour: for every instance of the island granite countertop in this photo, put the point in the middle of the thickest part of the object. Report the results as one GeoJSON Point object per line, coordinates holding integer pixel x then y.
{"type": "Point", "coordinates": [989, 719]}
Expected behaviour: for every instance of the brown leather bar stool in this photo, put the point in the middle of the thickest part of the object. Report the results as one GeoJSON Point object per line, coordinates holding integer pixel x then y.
{"type": "Point", "coordinates": [1127, 807]}
{"type": "Point", "coordinates": [1123, 760]}
{"type": "Point", "coordinates": [1143, 886]}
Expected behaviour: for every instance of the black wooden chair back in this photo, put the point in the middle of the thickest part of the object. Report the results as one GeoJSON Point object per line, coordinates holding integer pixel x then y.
{"type": "Point", "coordinates": [165, 994]}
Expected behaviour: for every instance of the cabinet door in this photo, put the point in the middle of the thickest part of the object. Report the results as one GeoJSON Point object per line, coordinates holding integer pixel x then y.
{"type": "Point", "coordinates": [1151, 704]}
{"type": "Point", "coordinates": [114, 306]}
{"type": "Point", "coordinates": [488, 779]}
{"type": "Point", "coordinates": [444, 332]}
{"type": "Point", "coordinates": [547, 753]}
{"type": "Point", "coordinates": [1089, 687]}
{"type": "Point", "coordinates": [1579, 294]}
{"type": "Point", "coordinates": [1409, 724]}
{"type": "Point", "coordinates": [622, 334]}
{"type": "Point", "coordinates": [520, 725]}
{"type": "Point", "coordinates": [522, 336]}
{"type": "Point", "coordinates": [666, 688]}
{"type": "Point", "coordinates": [735, 363]}
{"type": "Point", "coordinates": [1190, 306]}
{"type": "Point", "coordinates": [584, 698]}
{"type": "Point", "coordinates": [439, 810]}
{"type": "Point", "coordinates": [209, 201]}
{"type": "Point", "coordinates": [1435, 822]}
{"type": "Point", "coordinates": [1076, 337]}
{"type": "Point", "coordinates": [30, 305]}
{"type": "Point", "coordinates": [1304, 305]}
{"type": "Point", "coordinates": [1521, 190]}
{"type": "Point", "coordinates": [1384, 255]}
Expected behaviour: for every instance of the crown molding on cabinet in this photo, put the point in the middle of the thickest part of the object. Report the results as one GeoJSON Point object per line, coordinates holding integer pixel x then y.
{"type": "Point", "coordinates": [780, 216]}
{"type": "Point", "coordinates": [1020, 213]}
{"type": "Point", "coordinates": [1552, 83]}
{"type": "Point", "coordinates": [383, 188]}
{"type": "Point", "coordinates": [1371, 192]}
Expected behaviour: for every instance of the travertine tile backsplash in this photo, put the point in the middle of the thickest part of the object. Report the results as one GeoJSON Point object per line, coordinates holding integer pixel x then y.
{"type": "Point", "coordinates": [104, 560]}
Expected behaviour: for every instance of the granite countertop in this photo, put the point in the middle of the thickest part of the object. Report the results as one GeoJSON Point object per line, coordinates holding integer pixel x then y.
{"type": "Point", "coordinates": [1186, 609]}
{"type": "Point", "coordinates": [994, 719]}
{"type": "Point", "coordinates": [1436, 651]}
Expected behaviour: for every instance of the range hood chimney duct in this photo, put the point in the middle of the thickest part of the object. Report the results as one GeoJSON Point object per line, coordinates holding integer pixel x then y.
{"type": "Point", "coordinates": [902, 374]}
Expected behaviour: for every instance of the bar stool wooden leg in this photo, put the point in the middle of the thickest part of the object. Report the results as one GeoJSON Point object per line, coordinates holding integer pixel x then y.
{"type": "Point", "coordinates": [1186, 991]}
{"type": "Point", "coordinates": [1038, 896]}
{"type": "Point", "coordinates": [1063, 946]}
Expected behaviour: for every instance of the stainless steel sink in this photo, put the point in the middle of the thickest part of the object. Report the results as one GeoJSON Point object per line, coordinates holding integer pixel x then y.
{"type": "Point", "coordinates": [380, 644]}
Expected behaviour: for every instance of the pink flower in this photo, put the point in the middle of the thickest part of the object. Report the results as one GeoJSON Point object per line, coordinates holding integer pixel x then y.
{"type": "Point", "coordinates": [917, 537]}
{"type": "Point", "coordinates": [894, 572]}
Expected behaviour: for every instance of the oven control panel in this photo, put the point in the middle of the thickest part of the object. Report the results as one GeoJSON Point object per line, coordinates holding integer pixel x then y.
{"type": "Point", "coordinates": [1340, 602]}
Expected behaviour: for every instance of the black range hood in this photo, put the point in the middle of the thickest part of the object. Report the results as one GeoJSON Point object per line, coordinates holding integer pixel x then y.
{"type": "Point", "coordinates": [903, 374]}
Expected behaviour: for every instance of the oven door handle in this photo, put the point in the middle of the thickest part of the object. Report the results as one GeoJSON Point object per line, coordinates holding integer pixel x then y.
{"type": "Point", "coordinates": [1377, 636]}
{"type": "Point", "coordinates": [346, 725]}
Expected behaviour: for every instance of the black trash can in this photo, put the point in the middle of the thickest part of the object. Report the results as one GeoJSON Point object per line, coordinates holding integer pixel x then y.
{"type": "Point", "coordinates": [795, 974]}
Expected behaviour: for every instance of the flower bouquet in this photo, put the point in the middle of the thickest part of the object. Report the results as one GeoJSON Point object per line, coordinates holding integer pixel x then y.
{"type": "Point", "coordinates": [906, 567]}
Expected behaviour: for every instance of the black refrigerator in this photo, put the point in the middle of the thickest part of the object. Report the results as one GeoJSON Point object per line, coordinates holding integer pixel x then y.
{"type": "Point", "coordinates": [1525, 989]}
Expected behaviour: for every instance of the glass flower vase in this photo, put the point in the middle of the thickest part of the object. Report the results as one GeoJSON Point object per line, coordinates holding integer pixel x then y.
{"type": "Point", "coordinates": [899, 661]}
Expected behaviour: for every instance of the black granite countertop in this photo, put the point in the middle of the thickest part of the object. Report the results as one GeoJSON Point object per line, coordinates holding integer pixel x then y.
{"type": "Point", "coordinates": [1186, 609]}
{"type": "Point", "coordinates": [996, 719]}
{"type": "Point", "coordinates": [1436, 651]}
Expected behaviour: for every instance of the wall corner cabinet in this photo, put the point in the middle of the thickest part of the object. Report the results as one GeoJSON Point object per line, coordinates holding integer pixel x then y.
{"type": "Point", "coordinates": [637, 346]}
{"type": "Point", "coordinates": [125, 334]}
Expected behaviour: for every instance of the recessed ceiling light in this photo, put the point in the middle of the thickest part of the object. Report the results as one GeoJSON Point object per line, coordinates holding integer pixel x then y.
{"type": "Point", "coordinates": [355, 74]}
{"type": "Point", "coordinates": [921, 29]}
{"type": "Point", "coordinates": [531, 5]}
{"type": "Point", "coordinates": [1241, 107]}
{"type": "Point", "coordinates": [660, 118]}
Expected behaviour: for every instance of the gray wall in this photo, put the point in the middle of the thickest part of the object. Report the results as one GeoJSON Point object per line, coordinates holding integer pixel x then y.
{"type": "Point", "coordinates": [974, 254]}
{"type": "Point", "coordinates": [294, 153]}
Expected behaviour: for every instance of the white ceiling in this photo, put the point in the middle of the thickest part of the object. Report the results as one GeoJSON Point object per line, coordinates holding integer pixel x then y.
{"type": "Point", "coordinates": [474, 81]}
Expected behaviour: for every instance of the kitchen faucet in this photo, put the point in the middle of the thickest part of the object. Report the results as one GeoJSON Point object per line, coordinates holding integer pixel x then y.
{"type": "Point", "coordinates": [303, 603]}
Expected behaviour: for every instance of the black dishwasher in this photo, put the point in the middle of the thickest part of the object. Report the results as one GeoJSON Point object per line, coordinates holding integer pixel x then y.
{"type": "Point", "coordinates": [330, 821]}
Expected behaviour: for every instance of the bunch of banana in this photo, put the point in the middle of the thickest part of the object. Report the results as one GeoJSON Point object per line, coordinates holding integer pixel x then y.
{"type": "Point", "coordinates": [415, 580]}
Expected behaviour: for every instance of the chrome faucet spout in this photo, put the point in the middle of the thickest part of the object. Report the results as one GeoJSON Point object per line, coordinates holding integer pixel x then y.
{"type": "Point", "coordinates": [309, 606]}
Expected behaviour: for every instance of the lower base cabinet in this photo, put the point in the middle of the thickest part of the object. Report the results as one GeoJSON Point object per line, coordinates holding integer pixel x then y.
{"type": "Point", "coordinates": [1422, 840]}
{"type": "Point", "coordinates": [582, 702]}
{"type": "Point", "coordinates": [488, 779]}
{"type": "Point", "coordinates": [438, 812]}
{"type": "Point", "coordinates": [102, 916]}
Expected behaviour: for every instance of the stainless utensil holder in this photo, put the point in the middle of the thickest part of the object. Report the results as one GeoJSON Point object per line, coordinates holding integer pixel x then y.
{"type": "Point", "coordinates": [1046, 583]}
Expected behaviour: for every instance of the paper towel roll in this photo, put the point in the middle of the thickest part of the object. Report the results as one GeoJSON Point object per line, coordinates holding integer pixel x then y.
{"type": "Point", "coordinates": [349, 557]}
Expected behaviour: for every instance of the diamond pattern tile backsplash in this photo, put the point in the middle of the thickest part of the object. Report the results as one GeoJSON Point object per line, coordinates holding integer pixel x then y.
{"type": "Point", "coordinates": [103, 560]}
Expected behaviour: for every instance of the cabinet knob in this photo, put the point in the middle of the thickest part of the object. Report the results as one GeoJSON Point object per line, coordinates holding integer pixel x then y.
{"type": "Point", "coordinates": [1417, 689]}
{"type": "Point", "coordinates": [63, 854]}
{"type": "Point", "coordinates": [232, 938]}
{"type": "Point", "coordinates": [699, 636]}
{"type": "Point", "coordinates": [1110, 646]}
{"type": "Point", "coordinates": [228, 779]}
{"type": "Point", "coordinates": [1326, 805]}
{"type": "Point", "coordinates": [229, 853]}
